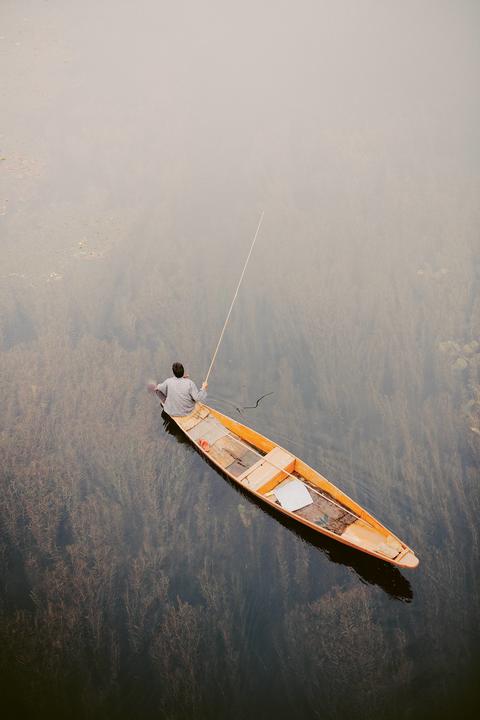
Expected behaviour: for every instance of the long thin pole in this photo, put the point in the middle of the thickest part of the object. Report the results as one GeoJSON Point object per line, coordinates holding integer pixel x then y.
{"type": "Point", "coordinates": [235, 296]}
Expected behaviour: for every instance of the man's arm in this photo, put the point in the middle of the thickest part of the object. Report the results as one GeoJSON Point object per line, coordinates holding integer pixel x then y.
{"type": "Point", "coordinates": [196, 394]}
{"type": "Point", "coordinates": [162, 387]}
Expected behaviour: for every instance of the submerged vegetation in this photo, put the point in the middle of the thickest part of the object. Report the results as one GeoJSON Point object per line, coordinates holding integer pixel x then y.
{"type": "Point", "coordinates": [137, 577]}
{"type": "Point", "coordinates": [139, 143]}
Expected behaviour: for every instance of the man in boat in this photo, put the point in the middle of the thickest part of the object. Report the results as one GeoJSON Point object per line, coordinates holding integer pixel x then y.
{"type": "Point", "coordinates": [181, 393]}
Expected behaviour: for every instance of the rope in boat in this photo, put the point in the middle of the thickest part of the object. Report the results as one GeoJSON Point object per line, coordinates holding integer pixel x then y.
{"type": "Point", "coordinates": [234, 297]}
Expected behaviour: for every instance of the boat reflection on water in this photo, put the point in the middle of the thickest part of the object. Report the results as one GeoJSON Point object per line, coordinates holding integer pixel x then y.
{"type": "Point", "coordinates": [369, 569]}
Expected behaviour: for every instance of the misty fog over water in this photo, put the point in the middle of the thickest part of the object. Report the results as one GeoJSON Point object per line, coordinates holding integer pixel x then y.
{"type": "Point", "coordinates": [139, 143]}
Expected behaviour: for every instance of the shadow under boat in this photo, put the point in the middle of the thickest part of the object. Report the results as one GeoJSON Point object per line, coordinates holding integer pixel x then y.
{"type": "Point", "coordinates": [369, 569]}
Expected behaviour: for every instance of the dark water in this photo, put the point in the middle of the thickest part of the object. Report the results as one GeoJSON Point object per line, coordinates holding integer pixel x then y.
{"type": "Point", "coordinates": [139, 144]}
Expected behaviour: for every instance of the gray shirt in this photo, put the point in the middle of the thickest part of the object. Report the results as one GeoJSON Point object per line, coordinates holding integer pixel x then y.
{"type": "Point", "coordinates": [182, 394]}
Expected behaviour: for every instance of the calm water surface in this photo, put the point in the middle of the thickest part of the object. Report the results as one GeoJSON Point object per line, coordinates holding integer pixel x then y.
{"type": "Point", "coordinates": [139, 144]}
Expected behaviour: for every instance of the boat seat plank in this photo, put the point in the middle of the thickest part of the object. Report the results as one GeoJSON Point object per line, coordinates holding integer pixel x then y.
{"type": "Point", "coordinates": [269, 471]}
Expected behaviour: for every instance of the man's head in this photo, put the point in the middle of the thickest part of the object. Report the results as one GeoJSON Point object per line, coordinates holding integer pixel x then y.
{"type": "Point", "coordinates": [178, 369]}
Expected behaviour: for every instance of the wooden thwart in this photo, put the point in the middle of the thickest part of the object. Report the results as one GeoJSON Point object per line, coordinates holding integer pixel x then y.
{"type": "Point", "coordinates": [267, 472]}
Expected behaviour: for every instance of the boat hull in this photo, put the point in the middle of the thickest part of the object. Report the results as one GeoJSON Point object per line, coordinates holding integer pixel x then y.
{"type": "Point", "coordinates": [272, 474]}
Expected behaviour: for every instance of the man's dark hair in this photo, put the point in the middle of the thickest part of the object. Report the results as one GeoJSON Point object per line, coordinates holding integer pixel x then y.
{"type": "Point", "coordinates": [178, 369]}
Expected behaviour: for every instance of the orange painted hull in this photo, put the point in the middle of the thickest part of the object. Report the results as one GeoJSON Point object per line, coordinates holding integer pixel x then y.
{"type": "Point", "coordinates": [365, 533]}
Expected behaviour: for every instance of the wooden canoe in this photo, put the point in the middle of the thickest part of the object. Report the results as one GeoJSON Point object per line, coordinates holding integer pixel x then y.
{"type": "Point", "coordinates": [282, 480]}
